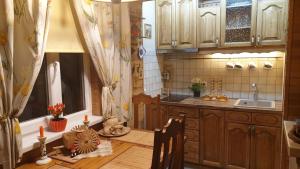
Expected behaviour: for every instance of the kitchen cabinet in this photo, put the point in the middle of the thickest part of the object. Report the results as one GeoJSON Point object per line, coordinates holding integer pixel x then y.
{"type": "Point", "coordinates": [176, 24]}
{"type": "Point", "coordinates": [253, 145]}
{"type": "Point", "coordinates": [230, 139]}
{"type": "Point", "coordinates": [238, 21]}
{"type": "Point", "coordinates": [208, 24]}
{"type": "Point", "coordinates": [237, 146]}
{"type": "Point", "coordinates": [212, 138]}
{"type": "Point", "coordinates": [185, 24]}
{"type": "Point", "coordinates": [271, 16]}
{"type": "Point", "coordinates": [165, 15]}
{"type": "Point", "coordinates": [181, 24]}
{"type": "Point", "coordinates": [191, 146]}
{"type": "Point", "coordinates": [265, 147]}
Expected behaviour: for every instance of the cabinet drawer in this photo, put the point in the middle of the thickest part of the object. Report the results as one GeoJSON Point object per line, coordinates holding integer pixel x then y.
{"type": "Point", "coordinates": [192, 135]}
{"type": "Point", "coordinates": [191, 157]}
{"type": "Point", "coordinates": [187, 111]}
{"type": "Point", "coordinates": [267, 119]}
{"type": "Point", "coordinates": [241, 117]}
{"type": "Point", "coordinates": [192, 124]}
{"type": "Point", "coordinates": [191, 152]}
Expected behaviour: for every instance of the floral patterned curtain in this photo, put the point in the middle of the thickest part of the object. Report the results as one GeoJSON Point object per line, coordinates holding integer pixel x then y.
{"type": "Point", "coordinates": [105, 28]}
{"type": "Point", "coordinates": [23, 34]}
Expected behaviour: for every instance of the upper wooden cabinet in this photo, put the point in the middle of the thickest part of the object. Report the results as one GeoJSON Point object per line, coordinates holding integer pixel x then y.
{"type": "Point", "coordinates": [271, 22]}
{"type": "Point", "coordinates": [165, 15]}
{"type": "Point", "coordinates": [185, 24]}
{"type": "Point", "coordinates": [176, 24]}
{"type": "Point", "coordinates": [238, 21]}
{"type": "Point", "coordinates": [208, 24]}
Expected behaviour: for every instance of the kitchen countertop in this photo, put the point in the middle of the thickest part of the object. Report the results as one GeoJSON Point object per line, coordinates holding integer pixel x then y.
{"type": "Point", "coordinates": [229, 105]}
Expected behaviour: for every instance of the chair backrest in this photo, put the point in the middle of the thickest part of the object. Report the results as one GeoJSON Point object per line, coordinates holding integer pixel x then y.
{"type": "Point", "coordinates": [168, 151]}
{"type": "Point", "coordinates": [153, 116]}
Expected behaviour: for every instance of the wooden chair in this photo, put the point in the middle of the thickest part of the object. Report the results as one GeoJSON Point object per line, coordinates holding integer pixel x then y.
{"type": "Point", "coordinates": [153, 118]}
{"type": "Point", "coordinates": [168, 151]}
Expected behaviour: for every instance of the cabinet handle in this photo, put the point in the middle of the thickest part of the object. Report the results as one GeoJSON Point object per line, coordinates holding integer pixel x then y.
{"type": "Point", "coordinates": [217, 42]}
{"type": "Point", "coordinates": [252, 40]}
{"type": "Point", "coordinates": [258, 40]}
{"type": "Point", "coordinates": [253, 128]}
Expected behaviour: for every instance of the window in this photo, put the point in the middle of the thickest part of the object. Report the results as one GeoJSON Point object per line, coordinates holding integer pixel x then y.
{"type": "Point", "coordinates": [38, 100]}
{"type": "Point", "coordinates": [72, 86]}
{"type": "Point", "coordinates": [71, 69]}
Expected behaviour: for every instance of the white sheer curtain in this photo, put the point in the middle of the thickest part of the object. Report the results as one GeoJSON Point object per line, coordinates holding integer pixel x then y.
{"type": "Point", "coordinates": [23, 33]}
{"type": "Point", "coordinates": [105, 28]}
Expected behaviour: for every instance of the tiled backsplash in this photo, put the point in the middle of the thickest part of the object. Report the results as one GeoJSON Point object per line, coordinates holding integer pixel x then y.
{"type": "Point", "coordinates": [152, 75]}
{"type": "Point", "coordinates": [236, 83]}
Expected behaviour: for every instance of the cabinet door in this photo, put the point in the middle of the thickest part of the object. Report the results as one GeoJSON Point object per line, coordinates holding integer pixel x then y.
{"type": "Point", "coordinates": [208, 27]}
{"type": "Point", "coordinates": [237, 146]}
{"type": "Point", "coordinates": [212, 138]}
{"type": "Point", "coordinates": [185, 24]}
{"type": "Point", "coordinates": [271, 22]}
{"type": "Point", "coordinates": [238, 22]}
{"type": "Point", "coordinates": [165, 19]}
{"type": "Point", "coordinates": [265, 148]}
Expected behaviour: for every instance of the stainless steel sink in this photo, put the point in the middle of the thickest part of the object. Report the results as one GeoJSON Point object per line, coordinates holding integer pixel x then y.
{"type": "Point", "coordinates": [264, 104]}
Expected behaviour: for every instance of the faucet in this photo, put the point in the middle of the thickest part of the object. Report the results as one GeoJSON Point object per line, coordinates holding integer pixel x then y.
{"type": "Point", "coordinates": [255, 91]}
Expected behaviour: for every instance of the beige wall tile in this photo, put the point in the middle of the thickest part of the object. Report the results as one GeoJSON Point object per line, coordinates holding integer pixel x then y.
{"type": "Point", "coordinates": [236, 83]}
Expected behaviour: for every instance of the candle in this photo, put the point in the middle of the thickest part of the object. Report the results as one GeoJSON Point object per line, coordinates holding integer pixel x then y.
{"type": "Point", "coordinates": [86, 118]}
{"type": "Point", "coordinates": [41, 131]}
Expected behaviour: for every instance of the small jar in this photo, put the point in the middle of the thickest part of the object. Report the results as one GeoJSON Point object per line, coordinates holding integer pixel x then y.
{"type": "Point", "coordinates": [297, 127]}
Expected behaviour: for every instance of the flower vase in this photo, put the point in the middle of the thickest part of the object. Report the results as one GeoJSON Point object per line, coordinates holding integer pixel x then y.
{"type": "Point", "coordinates": [58, 125]}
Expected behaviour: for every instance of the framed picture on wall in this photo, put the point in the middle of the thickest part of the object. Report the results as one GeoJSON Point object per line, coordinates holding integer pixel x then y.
{"type": "Point", "coordinates": [147, 31]}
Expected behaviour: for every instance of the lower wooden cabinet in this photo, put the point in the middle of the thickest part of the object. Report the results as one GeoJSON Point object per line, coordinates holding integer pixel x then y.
{"type": "Point", "coordinates": [191, 146]}
{"type": "Point", "coordinates": [191, 152]}
{"type": "Point", "coordinates": [230, 139]}
{"type": "Point", "coordinates": [212, 138]}
{"type": "Point", "coordinates": [252, 147]}
{"type": "Point", "coordinates": [265, 147]}
{"type": "Point", "coordinates": [237, 146]}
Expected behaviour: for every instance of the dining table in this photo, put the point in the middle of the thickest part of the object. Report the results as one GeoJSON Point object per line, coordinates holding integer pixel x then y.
{"type": "Point", "coordinates": [132, 151]}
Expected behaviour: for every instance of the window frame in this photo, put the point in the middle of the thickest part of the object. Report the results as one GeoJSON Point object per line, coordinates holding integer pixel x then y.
{"type": "Point", "coordinates": [30, 128]}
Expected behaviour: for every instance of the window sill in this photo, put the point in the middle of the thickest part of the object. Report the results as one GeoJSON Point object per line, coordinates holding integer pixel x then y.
{"type": "Point", "coordinates": [30, 141]}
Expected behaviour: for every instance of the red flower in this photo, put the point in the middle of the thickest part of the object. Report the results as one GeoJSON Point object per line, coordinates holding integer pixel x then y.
{"type": "Point", "coordinates": [56, 110]}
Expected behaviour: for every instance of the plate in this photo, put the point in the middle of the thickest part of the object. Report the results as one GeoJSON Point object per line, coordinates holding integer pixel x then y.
{"type": "Point", "coordinates": [126, 130]}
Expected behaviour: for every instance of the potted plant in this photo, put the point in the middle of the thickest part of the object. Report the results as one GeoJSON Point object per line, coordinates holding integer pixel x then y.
{"type": "Point", "coordinates": [57, 123]}
{"type": "Point", "coordinates": [197, 86]}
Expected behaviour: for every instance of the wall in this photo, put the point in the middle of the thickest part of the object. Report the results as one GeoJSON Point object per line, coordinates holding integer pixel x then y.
{"type": "Point", "coordinates": [152, 75]}
{"type": "Point", "coordinates": [292, 81]}
{"type": "Point", "coordinates": [235, 83]}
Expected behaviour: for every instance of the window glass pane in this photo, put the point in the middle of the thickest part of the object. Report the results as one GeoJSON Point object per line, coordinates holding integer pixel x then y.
{"type": "Point", "coordinates": [38, 101]}
{"type": "Point", "coordinates": [71, 67]}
